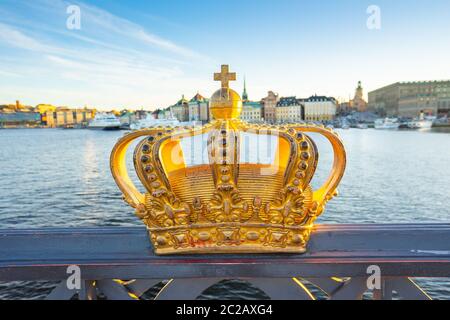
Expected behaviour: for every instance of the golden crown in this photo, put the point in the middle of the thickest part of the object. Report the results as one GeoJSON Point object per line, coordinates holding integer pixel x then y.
{"type": "Point", "coordinates": [227, 204]}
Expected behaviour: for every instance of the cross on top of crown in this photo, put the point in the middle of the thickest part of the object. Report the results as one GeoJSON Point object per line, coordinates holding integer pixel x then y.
{"type": "Point", "coordinates": [225, 76]}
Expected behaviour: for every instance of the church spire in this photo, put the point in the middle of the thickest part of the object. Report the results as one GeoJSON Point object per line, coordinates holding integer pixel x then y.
{"type": "Point", "coordinates": [359, 91]}
{"type": "Point", "coordinates": [244, 94]}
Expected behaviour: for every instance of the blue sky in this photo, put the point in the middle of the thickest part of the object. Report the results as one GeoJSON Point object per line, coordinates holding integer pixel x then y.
{"type": "Point", "coordinates": [149, 53]}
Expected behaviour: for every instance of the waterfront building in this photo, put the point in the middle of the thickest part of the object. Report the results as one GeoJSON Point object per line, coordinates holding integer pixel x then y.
{"type": "Point", "coordinates": [320, 108]}
{"type": "Point", "coordinates": [140, 114]}
{"type": "Point", "coordinates": [19, 119]}
{"type": "Point", "coordinates": [252, 111]}
{"type": "Point", "coordinates": [18, 115]}
{"type": "Point", "coordinates": [409, 99]}
{"type": "Point", "coordinates": [127, 117]}
{"type": "Point", "coordinates": [180, 110]}
{"type": "Point", "coordinates": [167, 114]}
{"type": "Point", "coordinates": [199, 108]}
{"type": "Point", "coordinates": [64, 116]}
{"type": "Point", "coordinates": [289, 109]}
{"type": "Point", "coordinates": [158, 114]}
{"type": "Point", "coordinates": [269, 104]}
{"type": "Point", "coordinates": [46, 115]}
{"type": "Point", "coordinates": [61, 116]}
{"type": "Point", "coordinates": [45, 110]}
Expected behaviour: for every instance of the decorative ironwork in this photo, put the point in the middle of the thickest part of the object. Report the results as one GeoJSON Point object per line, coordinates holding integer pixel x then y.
{"type": "Point", "coordinates": [336, 264]}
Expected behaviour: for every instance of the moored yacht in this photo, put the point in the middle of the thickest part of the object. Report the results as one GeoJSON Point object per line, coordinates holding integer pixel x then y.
{"type": "Point", "coordinates": [362, 126]}
{"type": "Point", "coordinates": [149, 121]}
{"type": "Point", "coordinates": [422, 122]}
{"type": "Point", "coordinates": [105, 121]}
{"type": "Point", "coordinates": [387, 124]}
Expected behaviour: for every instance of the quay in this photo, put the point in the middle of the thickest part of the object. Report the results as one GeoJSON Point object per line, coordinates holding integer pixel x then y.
{"type": "Point", "coordinates": [337, 261]}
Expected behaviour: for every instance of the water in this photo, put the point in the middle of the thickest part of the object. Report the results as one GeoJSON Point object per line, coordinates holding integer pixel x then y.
{"type": "Point", "coordinates": [61, 178]}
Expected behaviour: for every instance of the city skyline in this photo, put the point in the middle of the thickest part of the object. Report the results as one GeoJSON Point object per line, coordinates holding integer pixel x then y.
{"type": "Point", "coordinates": [151, 54]}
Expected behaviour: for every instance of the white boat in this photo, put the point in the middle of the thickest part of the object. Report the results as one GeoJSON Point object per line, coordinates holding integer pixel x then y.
{"type": "Point", "coordinates": [421, 123]}
{"type": "Point", "coordinates": [149, 121]}
{"type": "Point", "coordinates": [387, 124]}
{"type": "Point", "coordinates": [105, 121]}
{"type": "Point", "coordinates": [362, 126]}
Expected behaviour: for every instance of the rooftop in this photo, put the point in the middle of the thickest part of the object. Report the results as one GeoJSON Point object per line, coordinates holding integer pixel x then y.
{"type": "Point", "coordinates": [253, 104]}
{"type": "Point", "coordinates": [427, 82]}
{"type": "Point", "coordinates": [315, 98]}
{"type": "Point", "coordinates": [289, 101]}
{"type": "Point", "coordinates": [198, 98]}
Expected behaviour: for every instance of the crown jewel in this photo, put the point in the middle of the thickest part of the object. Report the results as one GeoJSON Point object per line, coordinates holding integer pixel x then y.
{"type": "Point", "coordinates": [227, 204]}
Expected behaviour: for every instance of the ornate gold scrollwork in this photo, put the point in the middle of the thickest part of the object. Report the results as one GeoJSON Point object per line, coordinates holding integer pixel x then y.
{"type": "Point", "coordinates": [225, 214]}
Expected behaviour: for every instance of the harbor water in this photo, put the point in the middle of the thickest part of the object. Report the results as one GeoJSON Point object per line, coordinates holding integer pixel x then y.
{"type": "Point", "coordinates": [61, 178]}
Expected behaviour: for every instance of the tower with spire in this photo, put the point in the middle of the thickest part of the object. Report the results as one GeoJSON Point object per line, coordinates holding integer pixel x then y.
{"type": "Point", "coordinates": [359, 91]}
{"type": "Point", "coordinates": [358, 101]}
{"type": "Point", "coordinates": [244, 93]}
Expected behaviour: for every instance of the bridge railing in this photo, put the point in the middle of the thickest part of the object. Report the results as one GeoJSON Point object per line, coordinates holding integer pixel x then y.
{"type": "Point", "coordinates": [342, 262]}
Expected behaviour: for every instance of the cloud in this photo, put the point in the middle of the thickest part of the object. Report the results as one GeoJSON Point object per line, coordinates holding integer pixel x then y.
{"type": "Point", "coordinates": [9, 74]}
{"type": "Point", "coordinates": [16, 38]}
{"type": "Point", "coordinates": [106, 20]}
{"type": "Point", "coordinates": [110, 61]}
